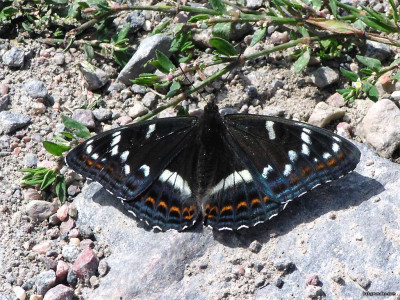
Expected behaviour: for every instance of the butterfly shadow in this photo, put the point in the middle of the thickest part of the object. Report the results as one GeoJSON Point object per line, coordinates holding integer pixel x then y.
{"type": "Point", "coordinates": [339, 195]}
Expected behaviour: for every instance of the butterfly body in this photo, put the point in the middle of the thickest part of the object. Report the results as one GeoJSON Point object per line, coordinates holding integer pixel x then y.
{"type": "Point", "coordinates": [234, 171]}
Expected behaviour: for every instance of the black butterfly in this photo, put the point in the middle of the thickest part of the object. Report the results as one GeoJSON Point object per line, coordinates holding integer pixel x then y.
{"type": "Point", "coordinates": [236, 171]}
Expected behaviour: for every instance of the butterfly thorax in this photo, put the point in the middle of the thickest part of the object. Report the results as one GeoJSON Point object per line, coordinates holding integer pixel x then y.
{"type": "Point", "coordinates": [211, 144]}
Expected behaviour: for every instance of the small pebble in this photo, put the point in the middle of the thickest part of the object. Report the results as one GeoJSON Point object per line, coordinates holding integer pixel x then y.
{"type": "Point", "coordinates": [238, 270]}
{"type": "Point", "coordinates": [312, 279]}
{"type": "Point", "coordinates": [279, 282]}
{"type": "Point", "coordinates": [255, 246]}
{"type": "Point", "coordinates": [94, 282]}
{"type": "Point", "coordinates": [103, 268]}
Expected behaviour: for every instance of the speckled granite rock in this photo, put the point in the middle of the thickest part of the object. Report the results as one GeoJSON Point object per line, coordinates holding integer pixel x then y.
{"type": "Point", "coordinates": [340, 232]}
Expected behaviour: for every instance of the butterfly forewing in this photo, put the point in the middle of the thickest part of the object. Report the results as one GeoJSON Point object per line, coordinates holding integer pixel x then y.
{"type": "Point", "coordinates": [288, 158]}
{"type": "Point", "coordinates": [128, 159]}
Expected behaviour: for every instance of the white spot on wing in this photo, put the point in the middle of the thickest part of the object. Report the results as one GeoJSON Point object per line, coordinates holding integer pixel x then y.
{"type": "Point", "coordinates": [305, 149]}
{"type": "Point", "coordinates": [335, 147]}
{"type": "Point", "coordinates": [231, 180]}
{"type": "Point", "coordinates": [89, 142]}
{"type": "Point", "coordinates": [266, 171]}
{"type": "Point", "coordinates": [326, 155]}
{"type": "Point", "coordinates": [127, 169]}
{"type": "Point", "coordinates": [124, 156]}
{"type": "Point", "coordinates": [336, 139]}
{"type": "Point", "coordinates": [152, 127]}
{"type": "Point", "coordinates": [145, 169]}
{"type": "Point", "coordinates": [176, 181]}
{"type": "Point", "coordinates": [95, 156]}
{"type": "Point", "coordinates": [292, 155]}
{"type": "Point", "coordinates": [306, 130]}
{"type": "Point", "coordinates": [305, 137]}
{"type": "Point", "coordinates": [115, 134]}
{"type": "Point", "coordinates": [89, 149]}
{"type": "Point", "coordinates": [269, 125]}
{"type": "Point", "coordinates": [115, 140]}
{"type": "Point", "coordinates": [288, 170]}
{"type": "Point", "coordinates": [114, 151]}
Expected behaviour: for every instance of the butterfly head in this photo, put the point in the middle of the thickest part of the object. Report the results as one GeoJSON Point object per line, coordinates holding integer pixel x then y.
{"type": "Point", "coordinates": [211, 108]}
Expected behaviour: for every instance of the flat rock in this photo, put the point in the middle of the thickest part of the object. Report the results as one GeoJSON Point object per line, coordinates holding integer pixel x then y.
{"type": "Point", "coordinates": [324, 76]}
{"type": "Point", "coordinates": [95, 77]}
{"type": "Point", "coordinates": [157, 265]}
{"type": "Point", "coordinates": [58, 292]}
{"type": "Point", "coordinates": [36, 89]}
{"type": "Point", "coordinates": [14, 57]}
{"type": "Point", "coordinates": [380, 127]}
{"type": "Point", "coordinates": [323, 114]}
{"type": "Point", "coordinates": [145, 52]}
{"type": "Point", "coordinates": [10, 121]}
{"type": "Point", "coordinates": [40, 210]}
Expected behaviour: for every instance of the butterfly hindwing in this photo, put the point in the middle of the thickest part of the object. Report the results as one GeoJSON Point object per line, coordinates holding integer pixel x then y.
{"type": "Point", "coordinates": [170, 202]}
{"type": "Point", "coordinates": [127, 160]}
{"type": "Point", "coordinates": [234, 200]}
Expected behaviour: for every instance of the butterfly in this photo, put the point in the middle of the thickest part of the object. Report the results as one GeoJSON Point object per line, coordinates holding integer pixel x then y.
{"type": "Point", "coordinates": [233, 171]}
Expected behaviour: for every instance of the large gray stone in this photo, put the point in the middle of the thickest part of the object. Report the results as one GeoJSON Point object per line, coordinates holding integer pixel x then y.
{"type": "Point", "coordinates": [10, 121]}
{"type": "Point", "coordinates": [341, 232]}
{"type": "Point", "coordinates": [145, 52]}
{"type": "Point", "coordinates": [380, 127]}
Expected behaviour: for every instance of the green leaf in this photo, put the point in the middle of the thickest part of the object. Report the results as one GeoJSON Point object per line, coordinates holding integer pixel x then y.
{"type": "Point", "coordinates": [161, 28]}
{"type": "Point", "coordinates": [395, 13]}
{"type": "Point", "coordinates": [56, 149]}
{"type": "Point", "coordinates": [396, 76]}
{"type": "Point", "coordinates": [372, 63]}
{"type": "Point", "coordinates": [303, 31]}
{"type": "Point", "coordinates": [146, 79]}
{"type": "Point", "coordinates": [7, 12]}
{"type": "Point", "coordinates": [349, 75]}
{"type": "Point", "coordinates": [174, 89]}
{"type": "Point", "coordinates": [61, 188]}
{"type": "Point", "coordinates": [317, 4]}
{"type": "Point", "coordinates": [199, 17]}
{"type": "Point", "coordinates": [48, 179]}
{"type": "Point", "coordinates": [223, 46]}
{"type": "Point", "coordinates": [88, 50]}
{"type": "Point", "coordinates": [258, 36]}
{"type": "Point", "coordinates": [334, 26]}
{"type": "Point", "coordinates": [302, 61]}
{"type": "Point", "coordinates": [75, 127]}
{"type": "Point", "coordinates": [181, 42]}
{"type": "Point", "coordinates": [68, 135]}
{"type": "Point", "coordinates": [366, 71]}
{"type": "Point", "coordinates": [332, 4]}
{"type": "Point", "coordinates": [371, 91]}
{"type": "Point", "coordinates": [163, 63]}
{"type": "Point", "coordinates": [222, 30]}
{"type": "Point", "coordinates": [218, 6]}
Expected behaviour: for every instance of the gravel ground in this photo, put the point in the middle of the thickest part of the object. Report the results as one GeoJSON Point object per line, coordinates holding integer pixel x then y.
{"type": "Point", "coordinates": [44, 250]}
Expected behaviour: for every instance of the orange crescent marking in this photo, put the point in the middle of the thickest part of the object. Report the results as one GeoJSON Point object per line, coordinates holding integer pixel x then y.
{"type": "Point", "coordinates": [320, 166]}
{"type": "Point", "coordinates": [99, 166]}
{"type": "Point", "coordinates": [254, 201]}
{"type": "Point", "coordinates": [175, 208]}
{"type": "Point", "coordinates": [83, 156]}
{"type": "Point", "coordinates": [306, 171]}
{"type": "Point", "coordinates": [266, 198]}
{"type": "Point", "coordinates": [340, 155]}
{"type": "Point", "coordinates": [331, 161]}
{"type": "Point", "coordinates": [89, 162]}
{"type": "Point", "coordinates": [163, 204]}
{"type": "Point", "coordinates": [243, 203]}
{"type": "Point", "coordinates": [150, 199]}
{"type": "Point", "coordinates": [225, 208]}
